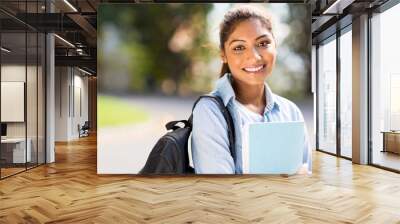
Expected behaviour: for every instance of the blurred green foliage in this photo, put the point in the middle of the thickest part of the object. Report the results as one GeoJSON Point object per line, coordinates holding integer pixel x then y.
{"type": "Point", "coordinates": [291, 76]}
{"type": "Point", "coordinates": [154, 44]}
{"type": "Point", "coordinates": [113, 111]}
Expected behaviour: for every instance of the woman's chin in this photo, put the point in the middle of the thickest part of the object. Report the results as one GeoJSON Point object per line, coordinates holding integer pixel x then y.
{"type": "Point", "coordinates": [253, 82]}
{"type": "Point", "coordinates": [250, 78]}
{"type": "Point", "coordinates": [254, 78]}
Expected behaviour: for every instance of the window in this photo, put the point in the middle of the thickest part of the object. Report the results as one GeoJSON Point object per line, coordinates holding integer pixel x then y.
{"type": "Point", "coordinates": [327, 96]}
{"type": "Point", "coordinates": [385, 89]}
{"type": "Point", "coordinates": [346, 93]}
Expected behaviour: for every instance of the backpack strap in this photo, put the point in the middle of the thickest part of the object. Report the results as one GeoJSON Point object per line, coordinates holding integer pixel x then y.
{"type": "Point", "coordinates": [172, 125]}
{"type": "Point", "coordinates": [228, 118]}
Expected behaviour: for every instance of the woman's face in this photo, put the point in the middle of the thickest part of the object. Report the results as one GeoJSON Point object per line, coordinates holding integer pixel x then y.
{"type": "Point", "coordinates": [250, 52]}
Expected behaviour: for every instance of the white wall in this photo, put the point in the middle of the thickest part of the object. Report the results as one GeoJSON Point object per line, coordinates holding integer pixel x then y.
{"type": "Point", "coordinates": [80, 110]}
{"type": "Point", "coordinates": [62, 81]}
{"type": "Point", "coordinates": [71, 94]}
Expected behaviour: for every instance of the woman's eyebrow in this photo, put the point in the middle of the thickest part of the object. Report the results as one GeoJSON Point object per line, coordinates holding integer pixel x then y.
{"type": "Point", "coordinates": [262, 36]}
{"type": "Point", "coordinates": [235, 41]}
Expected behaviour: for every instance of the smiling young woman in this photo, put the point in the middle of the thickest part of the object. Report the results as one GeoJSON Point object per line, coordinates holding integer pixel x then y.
{"type": "Point", "coordinates": [248, 52]}
{"type": "Point", "coordinates": [251, 53]}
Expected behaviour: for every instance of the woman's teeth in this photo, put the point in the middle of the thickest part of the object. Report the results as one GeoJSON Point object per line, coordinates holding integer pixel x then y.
{"type": "Point", "coordinates": [254, 69]}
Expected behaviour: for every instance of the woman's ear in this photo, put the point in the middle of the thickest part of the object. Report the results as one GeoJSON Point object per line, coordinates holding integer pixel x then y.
{"type": "Point", "coordinates": [223, 57]}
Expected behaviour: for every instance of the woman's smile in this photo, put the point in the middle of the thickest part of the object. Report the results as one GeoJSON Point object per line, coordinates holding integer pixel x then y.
{"type": "Point", "coordinates": [255, 68]}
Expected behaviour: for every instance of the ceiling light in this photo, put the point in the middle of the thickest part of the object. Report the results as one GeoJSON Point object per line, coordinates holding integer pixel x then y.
{"type": "Point", "coordinates": [70, 5]}
{"type": "Point", "coordinates": [84, 71]}
{"type": "Point", "coordinates": [337, 7]}
{"type": "Point", "coordinates": [5, 49]}
{"type": "Point", "coordinates": [65, 41]}
{"type": "Point", "coordinates": [331, 7]}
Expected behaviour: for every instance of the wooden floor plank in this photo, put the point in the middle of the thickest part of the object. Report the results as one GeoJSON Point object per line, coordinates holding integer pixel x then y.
{"type": "Point", "coordinates": [70, 191]}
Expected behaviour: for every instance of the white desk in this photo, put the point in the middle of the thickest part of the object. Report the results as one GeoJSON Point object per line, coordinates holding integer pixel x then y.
{"type": "Point", "coordinates": [19, 149]}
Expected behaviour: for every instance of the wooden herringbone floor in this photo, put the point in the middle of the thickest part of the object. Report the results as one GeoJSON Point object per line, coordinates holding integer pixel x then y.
{"type": "Point", "coordinates": [70, 191]}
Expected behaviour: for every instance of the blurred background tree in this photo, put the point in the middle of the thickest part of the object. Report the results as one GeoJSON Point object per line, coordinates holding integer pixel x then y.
{"type": "Point", "coordinates": [172, 49]}
{"type": "Point", "coordinates": [292, 74]}
{"type": "Point", "coordinates": [151, 48]}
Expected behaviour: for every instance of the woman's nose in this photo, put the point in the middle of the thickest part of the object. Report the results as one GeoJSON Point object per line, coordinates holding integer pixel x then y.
{"type": "Point", "coordinates": [254, 54]}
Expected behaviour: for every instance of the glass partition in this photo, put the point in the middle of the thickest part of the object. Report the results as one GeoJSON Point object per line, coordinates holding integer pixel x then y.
{"type": "Point", "coordinates": [41, 85]}
{"type": "Point", "coordinates": [22, 77]}
{"type": "Point", "coordinates": [32, 87]}
{"type": "Point", "coordinates": [14, 153]}
{"type": "Point", "coordinates": [31, 99]}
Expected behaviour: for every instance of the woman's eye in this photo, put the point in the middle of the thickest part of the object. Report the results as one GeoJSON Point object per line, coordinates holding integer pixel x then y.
{"type": "Point", "coordinates": [264, 44]}
{"type": "Point", "coordinates": [238, 48]}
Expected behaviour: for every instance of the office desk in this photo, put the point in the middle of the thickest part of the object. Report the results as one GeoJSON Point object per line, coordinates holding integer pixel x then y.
{"type": "Point", "coordinates": [391, 141]}
{"type": "Point", "coordinates": [17, 150]}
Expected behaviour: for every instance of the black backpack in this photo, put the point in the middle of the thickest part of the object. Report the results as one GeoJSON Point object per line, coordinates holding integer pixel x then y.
{"type": "Point", "coordinates": [170, 154]}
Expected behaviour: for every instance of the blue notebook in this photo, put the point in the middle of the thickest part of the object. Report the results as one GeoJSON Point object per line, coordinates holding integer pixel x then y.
{"type": "Point", "coordinates": [273, 147]}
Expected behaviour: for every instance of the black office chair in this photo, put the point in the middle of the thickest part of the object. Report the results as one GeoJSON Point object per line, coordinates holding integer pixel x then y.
{"type": "Point", "coordinates": [84, 130]}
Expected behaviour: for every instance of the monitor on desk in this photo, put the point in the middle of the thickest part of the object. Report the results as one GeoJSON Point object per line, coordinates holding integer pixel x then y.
{"type": "Point", "coordinates": [3, 130]}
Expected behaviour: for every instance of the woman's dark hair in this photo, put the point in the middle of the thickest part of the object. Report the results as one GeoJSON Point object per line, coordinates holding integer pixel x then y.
{"type": "Point", "coordinates": [235, 16]}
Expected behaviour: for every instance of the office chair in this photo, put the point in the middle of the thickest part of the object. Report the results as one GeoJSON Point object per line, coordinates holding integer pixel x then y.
{"type": "Point", "coordinates": [84, 130]}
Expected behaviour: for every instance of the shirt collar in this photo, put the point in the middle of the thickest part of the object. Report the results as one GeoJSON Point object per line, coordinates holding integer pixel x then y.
{"type": "Point", "coordinates": [270, 98]}
{"type": "Point", "coordinates": [225, 90]}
